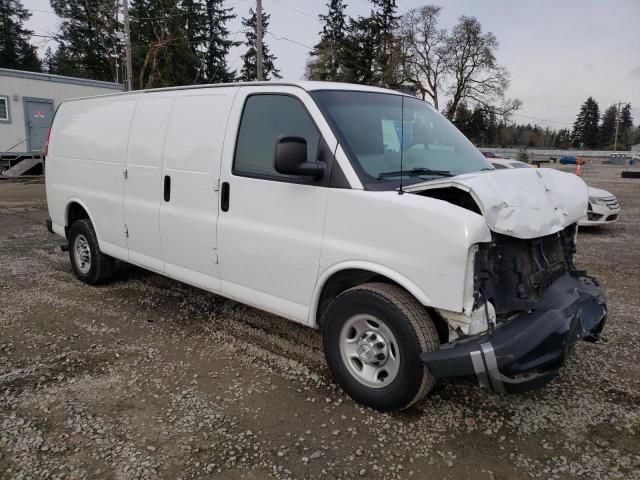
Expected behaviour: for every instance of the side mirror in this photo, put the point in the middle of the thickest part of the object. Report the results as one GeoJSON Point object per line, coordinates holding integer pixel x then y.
{"type": "Point", "coordinates": [291, 158]}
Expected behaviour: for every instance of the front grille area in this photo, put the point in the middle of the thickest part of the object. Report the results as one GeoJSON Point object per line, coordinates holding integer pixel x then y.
{"type": "Point", "coordinates": [611, 202]}
{"type": "Point", "coordinates": [513, 273]}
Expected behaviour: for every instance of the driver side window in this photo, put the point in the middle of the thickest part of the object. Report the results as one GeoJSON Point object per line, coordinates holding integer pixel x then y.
{"type": "Point", "coordinates": [264, 119]}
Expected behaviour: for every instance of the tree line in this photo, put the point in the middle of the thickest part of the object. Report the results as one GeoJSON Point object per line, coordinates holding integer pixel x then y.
{"type": "Point", "coordinates": [184, 42]}
{"type": "Point", "coordinates": [455, 69]}
{"type": "Point", "coordinates": [593, 131]}
{"type": "Point", "coordinates": [174, 42]}
{"type": "Point", "coordinates": [590, 130]}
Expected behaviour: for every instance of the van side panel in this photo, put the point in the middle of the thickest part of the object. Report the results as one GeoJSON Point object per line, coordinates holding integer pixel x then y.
{"type": "Point", "coordinates": [143, 187]}
{"type": "Point", "coordinates": [86, 162]}
{"type": "Point", "coordinates": [421, 243]}
{"type": "Point", "coordinates": [193, 149]}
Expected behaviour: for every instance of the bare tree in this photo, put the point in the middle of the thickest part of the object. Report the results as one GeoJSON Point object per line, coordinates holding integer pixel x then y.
{"type": "Point", "coordinates": [477, 76]}
{"type": "Point", "coordinates": [460, 65]}
{"type": "Point", "coordinates": [425, 51]}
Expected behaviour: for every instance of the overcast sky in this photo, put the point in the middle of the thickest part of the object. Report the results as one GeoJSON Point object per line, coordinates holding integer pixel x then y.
{"type": "Point", "coordinates": [558, 51]}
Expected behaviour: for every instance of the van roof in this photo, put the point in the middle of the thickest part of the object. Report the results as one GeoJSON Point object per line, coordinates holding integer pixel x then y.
{"type": "Point", "coordinates": [309, 86]}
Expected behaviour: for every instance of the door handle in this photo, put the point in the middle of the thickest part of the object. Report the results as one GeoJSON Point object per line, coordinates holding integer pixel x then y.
{"type": "Point", "coordinates": [224, 197]}
{"type": "Point", "coordinates": [167, 188]}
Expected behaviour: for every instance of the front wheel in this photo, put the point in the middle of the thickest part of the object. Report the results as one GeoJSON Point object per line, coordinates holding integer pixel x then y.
{"type": "Point", "coordinates": [373, 335]}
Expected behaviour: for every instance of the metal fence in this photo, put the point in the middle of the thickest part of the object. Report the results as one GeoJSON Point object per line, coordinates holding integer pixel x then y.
{"type": "Point", "coordinates": [513, 152]}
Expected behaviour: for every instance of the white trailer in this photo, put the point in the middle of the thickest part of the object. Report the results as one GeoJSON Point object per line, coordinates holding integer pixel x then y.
{"type": "Point", "coordinates": [28, 101]}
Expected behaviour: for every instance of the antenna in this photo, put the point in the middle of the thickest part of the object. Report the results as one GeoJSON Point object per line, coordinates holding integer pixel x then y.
{"type": "Point", "coordinates": [401, 191]}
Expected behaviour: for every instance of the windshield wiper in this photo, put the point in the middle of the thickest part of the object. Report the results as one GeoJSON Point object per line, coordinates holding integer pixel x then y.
{"type": "Point", "coordinates": [416, 172]}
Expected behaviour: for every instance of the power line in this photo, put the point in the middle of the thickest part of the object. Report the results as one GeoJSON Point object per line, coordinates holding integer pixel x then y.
{"type": "Point", "coordinates": [538, 99]}
{"type": "Point", "coordinates": [514, 70]}
{"type": "Point", "coordinates": [301, 12]}
{"type": "Point", "coordinates": [540, 119]}
{"type": "Point", "coordinates": [542, 76]}
{"type": "Point", "coordinates": [176, 42]}
{"type": "Point", "coordinates": [50, 12]}
{"type": "Point", "coordinates": [289, 40]}
{"type": "Point", "coordinates": [533, 76]}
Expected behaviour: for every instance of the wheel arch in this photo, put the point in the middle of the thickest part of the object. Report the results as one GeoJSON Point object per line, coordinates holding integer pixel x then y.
{"type": "Point", "coordinates": [341, 277]}
{"type": "Point", "coordinates": [77, 210]}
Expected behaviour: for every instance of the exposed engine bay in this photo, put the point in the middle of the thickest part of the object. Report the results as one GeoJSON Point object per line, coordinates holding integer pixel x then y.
{"type": "Point", "coordinates": [513, 273]}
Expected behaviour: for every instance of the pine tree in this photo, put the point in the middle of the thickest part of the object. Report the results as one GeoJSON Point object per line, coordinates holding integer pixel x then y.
{"type": "Point", "coordinates": [608, 126]}
{"type": "Point", "coordinates": [148, 34]}
{"type": "Point", "coordinates": [191, 28]}
{"type": "Point", "coordinates": [61, 62]}
{"type": "Point", "coordinates": [249, 65]}
{"type": "Point", "coordinates": [626, 134]}
{"type": "Point", "coordinates": [562, 138]}
{"type": "Point", "coordinates": [15, 50]}
{"type": "Point", "coordinates": [523, 154]}
{"type": "Point", "coordinates": [492, 128]}
{"type": "Point", "coordinates": [371, 48]}
{"type": "Point", "coordinates": [462, 118]}
{"type": "Point", "coordinates": [359, 51]}
{"type": "Point", "coordinates": [166, 41]}
{"type": "Point", "coordinates": [385, 25]}
{"type": "Point", "coordinates": [87, 38]}
{"type": "Point", "coordinates": [217, 44]}
{"type": "Point", "coordinates": [478, 125]}
{"type": "Point", "coordinates": [585, 129]}
{"type": "Point", "coordinates": [626, 120]}
{"type": "Point", "coordinates": [327, 57]}
{"type": "Point", "coordinates": [48, 63]}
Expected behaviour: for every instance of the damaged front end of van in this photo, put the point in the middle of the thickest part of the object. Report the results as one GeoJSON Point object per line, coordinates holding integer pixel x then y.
{"type": "Point", "coordinates": [526, 302]}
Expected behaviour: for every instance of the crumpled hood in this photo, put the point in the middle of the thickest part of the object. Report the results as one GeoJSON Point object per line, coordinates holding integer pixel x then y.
{"type": "Point", "coordinates": [522, 202]}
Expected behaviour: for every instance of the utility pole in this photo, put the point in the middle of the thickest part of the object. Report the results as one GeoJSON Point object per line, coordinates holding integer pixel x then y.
{"type": "Point", "coordinates": [258, 39]}
{"type": "Point", "coordinates": [127, 45]}
{"type": "Point", "coordinates": [615, 141]}
{"type": "Point", "coordinates": [116, 58]}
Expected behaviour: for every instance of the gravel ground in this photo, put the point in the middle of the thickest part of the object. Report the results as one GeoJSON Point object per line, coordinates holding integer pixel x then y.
{"type": "Point", "coordinates": [149, 378]}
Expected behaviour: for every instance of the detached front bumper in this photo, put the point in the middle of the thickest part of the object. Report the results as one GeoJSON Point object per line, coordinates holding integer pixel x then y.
{"type": "Point", "coordinates": [527, 352]}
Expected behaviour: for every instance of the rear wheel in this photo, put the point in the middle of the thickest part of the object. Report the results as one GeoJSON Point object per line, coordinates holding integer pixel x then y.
{"type": "Point", "coordinates": [373, 335]}
{"type": "Point", "coordinates": [87, 261]}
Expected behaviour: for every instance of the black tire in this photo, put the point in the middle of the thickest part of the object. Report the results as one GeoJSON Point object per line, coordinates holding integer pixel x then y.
{"type": "Point", "coordinates": [101, 267]}
{"type": "Point", "coordinates": [414, 332]}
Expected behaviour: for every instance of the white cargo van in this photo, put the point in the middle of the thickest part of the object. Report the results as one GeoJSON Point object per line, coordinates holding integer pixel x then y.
{"type": "Point", "coordinates": [358, 211]}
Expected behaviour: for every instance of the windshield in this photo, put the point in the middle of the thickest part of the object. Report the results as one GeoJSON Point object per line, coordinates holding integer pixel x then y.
{"type": "Point", "coordinates": [373, 128]}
